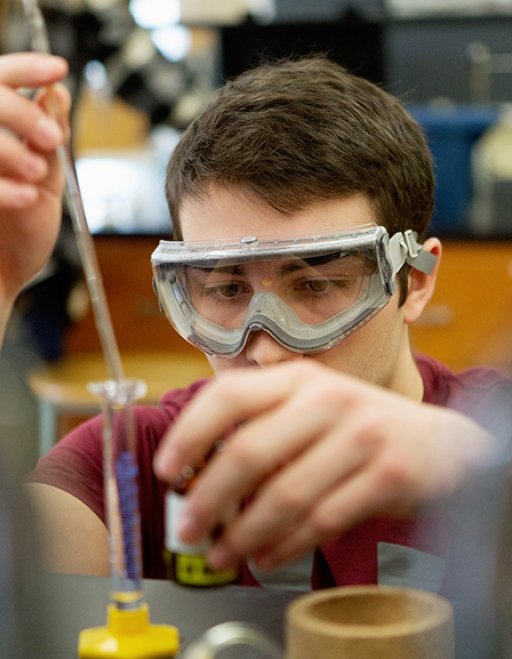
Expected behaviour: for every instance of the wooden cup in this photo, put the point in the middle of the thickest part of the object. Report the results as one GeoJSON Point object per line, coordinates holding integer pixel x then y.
{"type": "Point", "coordinates": [362, 622]}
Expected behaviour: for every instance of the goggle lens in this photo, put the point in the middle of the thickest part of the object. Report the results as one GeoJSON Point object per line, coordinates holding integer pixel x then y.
{"type": "Point", "coordinates": [315, 289]}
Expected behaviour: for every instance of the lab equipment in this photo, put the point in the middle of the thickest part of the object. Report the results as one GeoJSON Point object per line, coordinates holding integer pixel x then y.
{"type": "Point", "coordinates": [128, 633]}
{"type": "Point", "coordinates": [227, 635]}
{"type": "Point", "coordinates": [308, 293]}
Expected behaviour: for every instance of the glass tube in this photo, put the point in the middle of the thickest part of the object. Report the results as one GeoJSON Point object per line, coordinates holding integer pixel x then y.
{"type": "Point", "coordinates": [121, 488]}
{"type": "Point", "coordinates": [40, 42]}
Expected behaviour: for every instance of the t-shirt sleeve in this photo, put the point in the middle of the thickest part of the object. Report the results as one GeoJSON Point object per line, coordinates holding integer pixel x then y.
{"type": "Point", "coordinates": [75, 463]}
{"type": "Point", "coordinates": [483, 394]}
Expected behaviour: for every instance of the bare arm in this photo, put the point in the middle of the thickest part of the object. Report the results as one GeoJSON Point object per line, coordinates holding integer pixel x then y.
{"type": "Point", "coordinates": [74, 538]}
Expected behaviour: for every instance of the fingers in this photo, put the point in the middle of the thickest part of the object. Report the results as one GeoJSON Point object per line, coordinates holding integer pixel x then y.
{"type": "Point", "coordinates": [31, 121]}
{"type": "Point", "coordinates": [275, 455]}
{"type": "Point", "coordinates": [294, 491]}
{"type": "Point", "coordinates": [363, 493]}
{"type": "Point", "coordinates": [255, 451]}
{"type": "Point", "coordinates": [228, 400]}
{"type": "Point", "coordinates": [22, 166]}
{"type": "Point", "coordinates": [336, 456]}
{"type": "Point", "coordinates": [28, 120]}
{"type": "Point", "coordinates": [16, 196]}
{"type": "Point", "coordinates": [29, 131]}
{"type": "Point", "coordinates": [18, 160]}
{"type": "Point", "coordinates": [57, 103]}
{"type": "Point", "coordinates": [341, 509]}
{"type": "Point", "coordinates": [32, 70]}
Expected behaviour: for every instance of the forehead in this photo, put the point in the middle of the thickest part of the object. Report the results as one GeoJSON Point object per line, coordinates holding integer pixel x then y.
{"type": "Point", "coordinates": [224, 213]}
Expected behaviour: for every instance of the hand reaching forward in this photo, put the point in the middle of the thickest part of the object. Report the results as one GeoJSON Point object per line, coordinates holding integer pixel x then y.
{"type": "Point", "coordinates": [30, 178]}
{"type": "Point", "coordinates": [314, 452]}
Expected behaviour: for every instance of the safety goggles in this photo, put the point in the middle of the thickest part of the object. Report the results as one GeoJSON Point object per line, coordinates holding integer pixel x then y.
{"type": "Point", "coordinates": [307, 293]}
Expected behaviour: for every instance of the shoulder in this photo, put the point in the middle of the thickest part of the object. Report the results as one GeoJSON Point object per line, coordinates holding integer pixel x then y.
{"type": "Point", "coordinates": [442, 384]}
{"type": "Point", "coordinates": [482, 393]}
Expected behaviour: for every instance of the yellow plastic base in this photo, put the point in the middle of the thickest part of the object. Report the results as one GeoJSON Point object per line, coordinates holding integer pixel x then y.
{"type": "Point", "coordinates": [129, 635]}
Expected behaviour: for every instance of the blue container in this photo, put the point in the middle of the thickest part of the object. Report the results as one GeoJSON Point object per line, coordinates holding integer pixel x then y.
{"type": "Point", "coordinates": [451, 133]}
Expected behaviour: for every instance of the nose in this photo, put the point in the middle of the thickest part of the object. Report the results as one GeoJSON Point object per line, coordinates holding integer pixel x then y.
{"type": "Point", "coordinates": [263, 350]}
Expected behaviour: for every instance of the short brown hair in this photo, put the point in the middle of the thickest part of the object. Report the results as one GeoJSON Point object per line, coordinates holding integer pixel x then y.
{"type": "Point", "coordinates": [299, 131]}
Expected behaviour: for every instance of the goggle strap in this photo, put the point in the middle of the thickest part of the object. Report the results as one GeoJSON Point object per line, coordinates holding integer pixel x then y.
{"type": "Point", "coordinates": [418, 257]}
{"type": "Point", "coordinates": [404, 248]}
{"type": "Point", "coordinates": [398, 250]}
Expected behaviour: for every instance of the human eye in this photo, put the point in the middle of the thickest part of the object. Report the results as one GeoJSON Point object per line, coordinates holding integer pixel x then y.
{"type": "Point", "coordinates": [217, 285]}
{"type": "Point", "coordinates": [228, 291]}
{"type": "Point", "coordinates": [326, 290]}
{"type": "Point", "coordinates": [315, 286]}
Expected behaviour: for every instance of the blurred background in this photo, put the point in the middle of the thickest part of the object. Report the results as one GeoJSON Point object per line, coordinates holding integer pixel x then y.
{"type": "Point", "coordinates": [141, 70]}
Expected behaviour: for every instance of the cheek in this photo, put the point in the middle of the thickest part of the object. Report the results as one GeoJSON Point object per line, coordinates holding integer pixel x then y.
{"type": "Point", "coordinates": [369, 349]}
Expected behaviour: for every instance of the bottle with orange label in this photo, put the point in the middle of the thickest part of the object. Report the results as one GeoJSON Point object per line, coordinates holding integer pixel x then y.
{"type": "Point", "coordinates": [187, 564]}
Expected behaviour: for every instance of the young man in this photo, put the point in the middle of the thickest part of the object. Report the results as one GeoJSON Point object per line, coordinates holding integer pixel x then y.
{"type": "Point", "coordinates": [309, 191]}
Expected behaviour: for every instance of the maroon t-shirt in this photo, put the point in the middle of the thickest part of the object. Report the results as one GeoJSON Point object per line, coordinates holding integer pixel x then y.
{"type": "Point", "coordinates": [75, 465]}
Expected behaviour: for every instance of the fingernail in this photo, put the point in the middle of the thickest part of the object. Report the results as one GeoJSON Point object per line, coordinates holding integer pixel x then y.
{"type": "Point", "coordinates": [165, 463]}
{"type": "Point", "coordinates": [220, 557]}
{"type": "Point", "coordinates": [189, 528]}
{"type": "Point", "coordinates": [48, 131]}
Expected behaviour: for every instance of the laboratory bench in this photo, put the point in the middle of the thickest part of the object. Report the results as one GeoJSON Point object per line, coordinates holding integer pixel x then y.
{"type": "Point", "coordinates": [74, 603]}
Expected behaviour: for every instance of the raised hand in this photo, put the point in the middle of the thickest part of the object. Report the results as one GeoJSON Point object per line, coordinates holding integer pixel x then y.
{"type": "Point", "coordinates": [31, 180]}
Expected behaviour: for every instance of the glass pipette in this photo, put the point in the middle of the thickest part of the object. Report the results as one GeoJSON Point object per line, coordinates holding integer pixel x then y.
{"type": "Point", "coordinates": [39, 40]}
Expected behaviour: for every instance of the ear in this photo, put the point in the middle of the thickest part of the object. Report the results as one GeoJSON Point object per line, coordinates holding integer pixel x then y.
{"type": "Point", "coordinates": [421, 285]}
